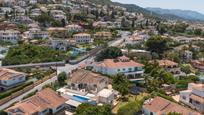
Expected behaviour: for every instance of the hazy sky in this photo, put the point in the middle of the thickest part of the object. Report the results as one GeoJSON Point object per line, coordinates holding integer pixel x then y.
{"type": "Point", "coordinates": [195, 5]}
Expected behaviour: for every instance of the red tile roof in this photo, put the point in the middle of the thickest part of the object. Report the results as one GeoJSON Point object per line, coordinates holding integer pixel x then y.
{"type": "Point", "coordinates": [86, 77]}
{"type": "Point", "coordinates": [6, 74]}
{"type": "Point", "coordinates": [119, 63]}
{"type": "Point", "coordinates": [162, 106]}
{"type": "Point", "coordinates": [47, 98]}
{"type": "Point", "coordinates": [165, 62]}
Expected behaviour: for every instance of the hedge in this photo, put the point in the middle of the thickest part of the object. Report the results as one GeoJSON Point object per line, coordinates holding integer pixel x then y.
{"type": "Point", "coordinates": [18, 88]}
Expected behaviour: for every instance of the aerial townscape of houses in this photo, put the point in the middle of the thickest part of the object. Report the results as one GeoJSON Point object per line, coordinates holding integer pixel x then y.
{"type": "Point", "coordinates": [97, 57]}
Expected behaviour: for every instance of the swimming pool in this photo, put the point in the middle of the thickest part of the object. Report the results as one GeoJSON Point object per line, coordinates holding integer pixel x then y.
{"type": "Point", "coordinates": [79, 98]}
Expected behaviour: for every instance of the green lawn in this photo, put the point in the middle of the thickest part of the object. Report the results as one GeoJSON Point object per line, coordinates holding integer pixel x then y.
{"type": "Point", "coordinates": [131, 98]}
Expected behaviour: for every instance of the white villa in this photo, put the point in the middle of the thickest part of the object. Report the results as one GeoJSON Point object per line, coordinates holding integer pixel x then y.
{"type": "Point", "coordinates": [161, 106]}
{"type": "Point", "coordinates": [82, 38]}
{"type": "Point", "coordinates": [137, 38]}
{"type": "Point", "coordinates": [193, 96]}
{"type": "Point", "coordinates": [10, 35]}
{"type": "Point", "coordinates": [43, 102]}
{"type": "Point", "coordinates": [58, 15]}
{"type": "Point", "coordinates": [74, 28]}
{"type": "Point", "coordinates": [36, 33]}
{"type": "Point", "coordinates": [87, 81]}
{"type": "Point", "coordinates": [10, 78]}
{"type": "Point", "coordinates": [124, 65]}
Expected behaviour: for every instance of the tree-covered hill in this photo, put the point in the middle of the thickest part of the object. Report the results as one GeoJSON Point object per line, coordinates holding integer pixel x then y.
{"type": "Point", "coordinates": [138, 9]}
{"type": "Point", "coordinates": [129, 7]}
{"type": "Point", "coordinates": [24, 54]}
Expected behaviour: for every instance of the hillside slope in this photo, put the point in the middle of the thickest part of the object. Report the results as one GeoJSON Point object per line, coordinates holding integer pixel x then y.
{"type": "Point", "coordinates": [186, 14]}
{"type": "Point", "coordinates": [129, 7]}
{"type": "Point", "coordinates": [138, 9]}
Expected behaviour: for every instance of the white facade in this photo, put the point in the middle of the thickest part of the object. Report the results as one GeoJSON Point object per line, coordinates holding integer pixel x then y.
{"type": "Point", "coordinates": [105, 96]}
{"type": "Point", "coordinates": [19, 10]}
{"type": "Point", "coordinates": [183, 39]}
{"type": "Point", "coordinates": [55, 110]}
{"type": "Point", "coordinates": [161, 106]}
{"type": "Point", "coordinates": [6, 9]}
{"type": "Point", "coordinates": [82, 38]}
{"type": "Point", "coordinates": [10, 78]}
{"type": "Point", "coordinates": [35, 12]}
{"type": "Point", "coordinates": [58, 15]}
{"type": "Point", "coordinates": [137, 38]}
{"type": "Point", "coordinates": [188, 55]}
{"type": "Point", "coordinates": [147, 112]}
{"type": "Point", "coordinates": [74, 28]}
{"type": "Point", "coordinates": [117, 70]}
{"type": "Point", "coordinates": [33, 2]}
{"type": "Point", "coordinates": [185, 96]}
{"type": "Point", "coordinates": [66, 1]}
{"type": "Point", "coordinates": [133, 70]}
{"type": "Point", "coordinates": [13, 81]}
{"type": "Point", "coordinates": [9, 35]}
{"type": "Point", "coordinates": [59, 44]}
{"type": "Point", "coordinates": [193, 97]}
{"type": "Point", "coordinates": [37, 33]}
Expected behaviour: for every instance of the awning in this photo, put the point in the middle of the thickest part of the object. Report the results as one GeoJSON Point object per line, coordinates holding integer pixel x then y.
{"type": "Point", "coordinates": [73, 103]}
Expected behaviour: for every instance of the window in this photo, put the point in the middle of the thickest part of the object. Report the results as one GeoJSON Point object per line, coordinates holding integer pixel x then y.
{"type": "Point", "coordinates": [168, 67]}
{"type": "Point", "coordinates": [20, 78]}
{"type": "Point", "coordinates": [198, 103]}
{"type": "Point", "coordinates": [80, 86]}
{"type": "Point", "coordinates": [59, 107]}
{"type": "Point", "coordinates": [123, 69]}
{"type": "Point", "coordinates": [184, 97]}
{"type": "Point", "coordinates": [118, 70]}
{"type": "Point", "coordinates": [151, 113]}
{"type": "Point", "coordinates": [130, 69]}
{"type": "Point", "coordinates": [73, 85]}
{"type": "Point", "coordinates": [190, 100]}
{"type": "Point", "coordinates": [44, 111]}
{"type": "Point", "coordinates": [177, 72]}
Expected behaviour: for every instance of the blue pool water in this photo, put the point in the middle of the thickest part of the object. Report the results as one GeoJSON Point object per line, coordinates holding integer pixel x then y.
{"type": "Point", "coordinates": [80, 98]}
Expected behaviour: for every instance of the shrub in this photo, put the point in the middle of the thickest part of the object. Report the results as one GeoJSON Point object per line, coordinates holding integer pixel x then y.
{"type": "Point", "coordinates": [26, 53]}
{"type": "Point", "coordinates": [18, 88]}
{"type": "Point", "coordinates": [30, 94]}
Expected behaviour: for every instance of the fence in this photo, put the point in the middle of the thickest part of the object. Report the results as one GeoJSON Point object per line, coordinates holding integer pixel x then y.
{"type": "Point", "coordinates": [91, 53]}
{"type": "Point", "coordinates": [48, 64]}
{"type": "Point", "coordinates": [26, 89]}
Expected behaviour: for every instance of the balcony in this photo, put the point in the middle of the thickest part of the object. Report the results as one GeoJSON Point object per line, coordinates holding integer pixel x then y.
{"type": "Point", "coordinates": [134, 72]}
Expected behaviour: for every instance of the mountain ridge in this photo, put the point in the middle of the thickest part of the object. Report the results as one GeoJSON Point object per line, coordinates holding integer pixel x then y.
{"type": "Point", "coordinates": [144, 11]}
{"type": "Point", "coordinates": [186, 14]}
{"type": "Point", "coordinates": [129, 7]}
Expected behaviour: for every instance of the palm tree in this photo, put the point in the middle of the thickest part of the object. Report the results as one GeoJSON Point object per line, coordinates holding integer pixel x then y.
{"type": "Point", "coordinates": [121, 84]}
